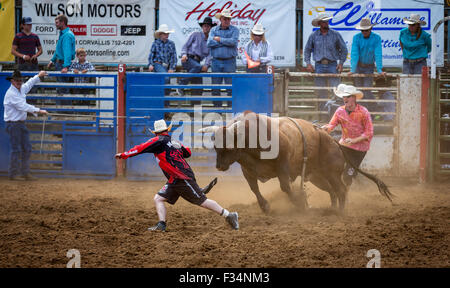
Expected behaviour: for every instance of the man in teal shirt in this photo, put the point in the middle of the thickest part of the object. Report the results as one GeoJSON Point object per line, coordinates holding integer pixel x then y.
{"type": "Point", "coordinates": [365, 55]}
{"type": "Point", "coordinates": [65, 50]}
{"type": "Point", "coordinates": [416, 44]}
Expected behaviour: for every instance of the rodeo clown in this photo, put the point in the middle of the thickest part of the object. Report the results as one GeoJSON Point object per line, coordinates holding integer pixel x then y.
{"type": "Point", "coordinates": [181, 179]}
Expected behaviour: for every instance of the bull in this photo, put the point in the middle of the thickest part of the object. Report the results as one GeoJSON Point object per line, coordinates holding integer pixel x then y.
{"type": "Point", "coordinates": [324, 167]}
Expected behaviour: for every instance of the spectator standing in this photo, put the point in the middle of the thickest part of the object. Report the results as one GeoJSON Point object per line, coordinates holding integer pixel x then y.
{"type": "Point", "coordinates": [163, 54]}
{"type": "Point", "coordinates": [328, 47]}
{"type": "Point", "coordinates": [194, 51]}
{"type": "Point", "coordinates": [65, 51]}
{"type": "Point", "coordinates": [258, 50]}
{"type": "Point", "coordinates": [26, 47]}
{"type": "Point", "coordinates": [416, 44]}
{"type": "Point", "coordinates": [223, 41]}
{"type": "Point", "coordinates": [366, 53]}
{"type": "Point", "coordinates": [16, 109]}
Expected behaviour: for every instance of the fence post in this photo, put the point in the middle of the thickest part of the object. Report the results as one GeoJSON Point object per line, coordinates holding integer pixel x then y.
{"type": "Point", "coordinates": [424, 125]}
{"type": "Point", "coordinates": [286, 92]}
{"type": "Point", "coordinates": [121, 120]}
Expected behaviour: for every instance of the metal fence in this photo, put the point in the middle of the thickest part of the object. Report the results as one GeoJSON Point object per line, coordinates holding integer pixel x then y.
{"type": "Point", "coordinates": [155, 95]}
{"type": "Point", "coordinates": [78, 138]}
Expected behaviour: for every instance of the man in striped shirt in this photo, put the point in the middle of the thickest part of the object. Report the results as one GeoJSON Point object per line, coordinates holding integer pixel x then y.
{"type": "Point", "coordinates": [26, 47]}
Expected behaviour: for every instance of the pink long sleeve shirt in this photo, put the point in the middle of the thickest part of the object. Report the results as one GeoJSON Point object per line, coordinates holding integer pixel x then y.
{"type": "Point", "coordinates": [358, 123]}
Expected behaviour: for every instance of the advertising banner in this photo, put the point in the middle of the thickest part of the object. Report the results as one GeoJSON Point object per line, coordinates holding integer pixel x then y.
{"type": "Point", "coordinates": [387, 14]}
{"type": "Point", "coordinates": [277, 16]}
{"type": "Point", "coordinates": [7, 24]}
{"type": "Point", "coordinates": [111, 31]}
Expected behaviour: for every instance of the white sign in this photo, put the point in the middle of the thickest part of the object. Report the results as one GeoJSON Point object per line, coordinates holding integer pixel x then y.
{"type": "Point", "coordinates": [387, 14]}
{"type": "Point", "coordinates": [111, 31]}
{"type": "Point", "coordinates": [277, 16]}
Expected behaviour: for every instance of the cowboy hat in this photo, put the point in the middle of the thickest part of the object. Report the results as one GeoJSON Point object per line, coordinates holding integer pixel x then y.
{"type": "Point", "coordinates": [163, 28]}
{"type": "Point", "coordinates": [160, 126]}
{"type": "Point", "coordinates": [225, 13]}
{"type": "Point", "coordinates": [343, 90]}
{"type": "Point", "coordinates": [365, 24]}
{"type": "Point", "coordinates": [16, 75]}
{"type": "Point", "coordinates": [258, 29]}
{"type": "Point", "coordinates": [413, 19]}
{"type": "Point", "coordinates": [322, 16]}
{"type": "Point", "coordinates": [208, 21]}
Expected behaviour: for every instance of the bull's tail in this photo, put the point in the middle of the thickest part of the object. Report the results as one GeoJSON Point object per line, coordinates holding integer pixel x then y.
{"type": "Point", "coordinates": [382, 187]}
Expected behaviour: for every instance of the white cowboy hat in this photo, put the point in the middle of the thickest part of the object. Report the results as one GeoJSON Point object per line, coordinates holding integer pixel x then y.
{"type": "Point", "coordinates": [258, 29]}
{"type": "Point", "coordinates": [413, 19]}
{"type": "Point", "coordinates": [322, 16]}
{"type": "Point", "coordinates": [160, 126]}
{"type": "Point", "coordinates": [343, 90]}
{"type": "Point", "coordinates": [365, 24]}
{"type": "Point", "coordinates": [225, 13]}
{"type": "Point", "coordinates": [163, 28]}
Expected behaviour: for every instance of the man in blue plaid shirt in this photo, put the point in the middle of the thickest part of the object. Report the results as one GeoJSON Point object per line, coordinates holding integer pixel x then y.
{"type": "Point", "coordinates": [163, 55]}
{"type": "Point", "coordinates": [81, 65]}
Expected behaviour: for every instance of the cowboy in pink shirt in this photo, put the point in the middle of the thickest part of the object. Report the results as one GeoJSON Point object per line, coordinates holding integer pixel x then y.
{"type": "Point", "coordinates": [356, 124]}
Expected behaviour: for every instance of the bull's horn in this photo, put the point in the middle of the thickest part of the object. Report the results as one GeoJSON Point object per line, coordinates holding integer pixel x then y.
{"type": "Point", "coordinates": [209, 129]}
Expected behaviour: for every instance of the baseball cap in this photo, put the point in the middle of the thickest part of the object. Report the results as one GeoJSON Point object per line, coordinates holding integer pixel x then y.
{"type": "Point", "coordinates": [27, 20]}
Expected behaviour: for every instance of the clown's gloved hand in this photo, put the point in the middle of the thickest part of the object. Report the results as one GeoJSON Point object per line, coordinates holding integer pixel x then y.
{"type": "Point", "coordinates": [175, 144]}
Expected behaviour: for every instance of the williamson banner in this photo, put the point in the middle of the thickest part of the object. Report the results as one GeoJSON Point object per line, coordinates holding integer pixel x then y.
{"type": "Point", "coordinates": [387, 14]}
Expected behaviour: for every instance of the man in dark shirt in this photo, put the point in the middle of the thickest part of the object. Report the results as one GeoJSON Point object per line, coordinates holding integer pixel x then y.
{"type": "Point", "coordinates": [194, 51]}
{"type": "Point", "coordinates": [26, 47]}
{"type": "Point", "coordinates": [181, 179]}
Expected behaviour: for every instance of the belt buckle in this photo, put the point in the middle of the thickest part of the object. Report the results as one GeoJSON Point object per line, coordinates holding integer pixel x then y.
{"type": "Point", "coordinates": [324, 61]}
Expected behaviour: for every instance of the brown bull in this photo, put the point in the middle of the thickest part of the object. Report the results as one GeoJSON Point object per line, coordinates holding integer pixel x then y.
{"type": "Point", "coordinates": [325, 162]}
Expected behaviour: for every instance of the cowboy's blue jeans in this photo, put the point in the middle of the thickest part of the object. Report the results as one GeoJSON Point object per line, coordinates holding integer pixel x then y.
{"type": "Point", "coordinates": [413, 68]}
{"type": "Point", "coordinates": [19, 157]}
{"type": "Point", "coordinates": [330, 68]}
{"type": "Point", "coordinates": [158, 68]}
{"type": "Point", "coordinates": [222, 66]}
{"type": "Point", "coordinates": [59, 67]}
{"type": "Point", "coordinates": [366, 82]}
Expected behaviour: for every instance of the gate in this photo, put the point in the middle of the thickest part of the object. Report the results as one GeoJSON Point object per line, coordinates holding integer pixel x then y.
{"type": "Point", "coordinates": [78, 138]}
{"type": "Point", "coordinates": [440, 132]}
{"type": "Point", "coordinates": [152, 96]}
{"type": "Point", "coordinates": [384, 157]}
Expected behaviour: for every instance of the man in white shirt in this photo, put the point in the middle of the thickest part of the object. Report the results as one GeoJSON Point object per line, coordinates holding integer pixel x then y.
{"type": "Point", "coordinates": [258, 50]}
{"type": "Point", "coordinates": [16, 109]}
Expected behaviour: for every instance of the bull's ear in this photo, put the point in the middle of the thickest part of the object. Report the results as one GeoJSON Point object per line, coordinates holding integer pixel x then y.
{"type": "Point", "coordinates": [209, 129]}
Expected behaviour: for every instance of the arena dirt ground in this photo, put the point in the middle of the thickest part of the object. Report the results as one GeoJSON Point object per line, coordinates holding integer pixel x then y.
{"type": "Point", "coordinates": [107, 222]}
